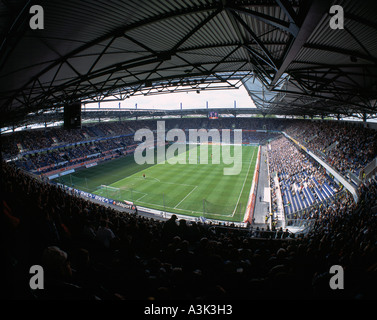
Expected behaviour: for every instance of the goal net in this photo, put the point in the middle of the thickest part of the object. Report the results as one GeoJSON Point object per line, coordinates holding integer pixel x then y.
{"type": "Point", "coordinates": [108, 192]}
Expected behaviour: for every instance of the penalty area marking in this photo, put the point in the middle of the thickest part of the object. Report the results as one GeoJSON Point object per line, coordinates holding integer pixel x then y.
{"type": "Point", "coordinates": [145, 194]}
{"type": "Point", "coordinates": [185, 197]}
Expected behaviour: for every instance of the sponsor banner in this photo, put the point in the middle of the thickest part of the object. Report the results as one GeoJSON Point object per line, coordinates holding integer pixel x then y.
{"type": "Point", "coordinates": [62, 173]}
{"type": "Point", "coordinates": [93, 155]}
{"type": "Point", "coordinates": [68, 168]}
{"type": "Point", "coordinates": [67, 172]}
{"type": "Point", "coordinates": [265, 131]}
{"type": "Point", "coordinates": [167, 215]}
{"type": "Point", "coordinates": [126, 204]}
{"type": "Point", "coordinates": [101, 199]}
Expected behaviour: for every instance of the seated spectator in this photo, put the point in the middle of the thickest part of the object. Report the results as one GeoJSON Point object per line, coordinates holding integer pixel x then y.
{"type": "Point", "coordinates": [58, 283]}
{"type": "Point", "coordinates": [104, 235]}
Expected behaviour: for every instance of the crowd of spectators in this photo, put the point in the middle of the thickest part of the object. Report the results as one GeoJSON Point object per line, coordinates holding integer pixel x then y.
{"type": "Point", "coordinates": [90, 251]}
{"type": "Point", "coordinates": [43, 162]}
{"type": "Point", "coordinates": [345, 146]}
{"type": "Point", "coordinates": [296, 171]}
{"type": "Point", "coordinates": [84, 143]}
{"type": "Point", "coordinates": [37, 139]}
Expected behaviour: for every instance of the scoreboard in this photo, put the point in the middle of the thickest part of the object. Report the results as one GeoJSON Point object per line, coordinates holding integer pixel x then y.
{"type": "Point", "coordinates": [213, 115]}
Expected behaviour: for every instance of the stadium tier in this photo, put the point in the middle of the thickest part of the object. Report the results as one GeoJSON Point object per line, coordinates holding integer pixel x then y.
{"type": "Point", "coordinates": [192, 234]}
{"type": "Point", "coordinates": [188, 154]}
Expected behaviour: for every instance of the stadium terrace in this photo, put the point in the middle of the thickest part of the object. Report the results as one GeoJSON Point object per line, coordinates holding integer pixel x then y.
{"type": "Point", "coordinates": [166, 154]}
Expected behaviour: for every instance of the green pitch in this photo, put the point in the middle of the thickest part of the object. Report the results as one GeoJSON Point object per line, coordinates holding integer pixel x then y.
{"type": "Point", "coordinates": [187, 189]}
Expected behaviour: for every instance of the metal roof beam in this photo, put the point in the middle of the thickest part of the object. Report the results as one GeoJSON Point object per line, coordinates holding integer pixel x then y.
{"type": "Point", "coordinates": [196, 28]}
{"type": "Point", "coordinates": [288, 10]}
{"type": "Point", "coordinates": [343, 51]}
{"type": "Point", "coordinates": [281, 24]}
{"type": "Point", "coordinates": [333, 99]}
{"type": "Point", "coordinates": [314, 14]}
{"type": "Point", "coordinates": [255, 38]}
{"type": "Point", "coordinates": [118, 33]}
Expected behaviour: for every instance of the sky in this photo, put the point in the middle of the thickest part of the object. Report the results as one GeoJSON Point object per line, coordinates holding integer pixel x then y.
{"type": "Point", "coordinates": [189, 100]}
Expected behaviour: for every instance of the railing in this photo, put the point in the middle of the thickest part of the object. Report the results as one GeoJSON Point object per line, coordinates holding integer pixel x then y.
{"type": "Point", "coordinates": [259, 233]}
{"type": "Point", "coordinates": [369, 170]}
{"type": "Point", "coordinates": [332, 146]}
{"type": "Point", "coordinates": [298, 221]}
{"type": "Point", "coordinates": [302, 224]}
{"type": "Point", "coordinates": [354, 178]}
{"type": "Point", "coordinates": [317, 204]}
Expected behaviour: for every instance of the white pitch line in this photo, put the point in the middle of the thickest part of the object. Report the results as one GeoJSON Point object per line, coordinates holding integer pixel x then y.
{"type": "Point", "coordinates": [185, 197]}
{"type": "Point", "coordinates": [165, 182]}
{"type": "Point", "coordinates": [179, 184]}
{"type": "Point", "coordinates": [247, 174]}
{"type": "Point", "coordinates": [145, 194]}
{"type": "Point", "coordinates": [190, 211]}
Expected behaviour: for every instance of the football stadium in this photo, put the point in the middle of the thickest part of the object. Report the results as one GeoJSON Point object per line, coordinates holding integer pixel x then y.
{"type": "Point", "coordinates": [188, 150]}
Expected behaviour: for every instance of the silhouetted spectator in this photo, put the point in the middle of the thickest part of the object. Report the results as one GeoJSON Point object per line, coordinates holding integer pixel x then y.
{"type": "Point", "coordinates": [170, 229]}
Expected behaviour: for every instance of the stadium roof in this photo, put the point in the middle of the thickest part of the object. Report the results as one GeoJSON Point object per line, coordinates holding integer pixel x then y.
{"type": "Point", "coordinates": [96, 50]}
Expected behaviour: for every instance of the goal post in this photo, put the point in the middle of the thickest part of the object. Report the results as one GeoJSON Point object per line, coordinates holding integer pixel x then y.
{"type": "Point", "coordinates": [218, 209]}
{"type": "Point", "coordinates": [109, 192]}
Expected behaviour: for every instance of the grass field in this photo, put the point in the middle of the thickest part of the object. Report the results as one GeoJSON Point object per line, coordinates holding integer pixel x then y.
{"type": "Point", "coordinates": [187, 189]}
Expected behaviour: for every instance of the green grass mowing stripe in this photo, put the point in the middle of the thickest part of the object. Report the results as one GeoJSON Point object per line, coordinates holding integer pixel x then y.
{"type": "Point", "coordinates": [197, 202]}
{"type": "Point", "coordinates": [233, 181]}
{"type": "Point", "coordinates": [246, 178]}
{"type": "Point", "coordinates": [104, 173]}
{"type": "Point", "coordinates": [171, 184]}
{"type": "Point", "coordinates": [177, 196]}
{"type": "Point", "coordinates": [239, 196]}
{"type": "Point", "coordinates": [170, 174]}
{"type": "Point", "coordinates": [185, 197]}
{"type": "Point", "coordinates": [177, 183]}
{"type": "Point", "coordinates": [194, 174]}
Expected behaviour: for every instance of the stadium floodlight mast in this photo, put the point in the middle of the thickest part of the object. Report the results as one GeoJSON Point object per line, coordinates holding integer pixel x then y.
{"type": "Point", "coordinates": [175, 153]}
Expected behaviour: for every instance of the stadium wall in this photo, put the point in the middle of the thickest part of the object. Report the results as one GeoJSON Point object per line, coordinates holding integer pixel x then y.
{"type": "Point", "coordinates": [249, 214]}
